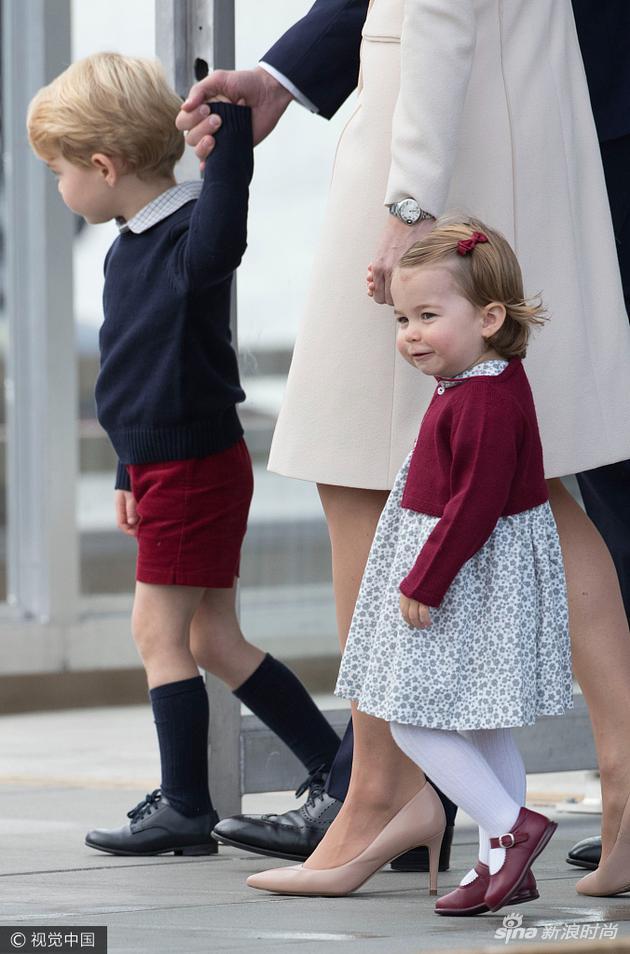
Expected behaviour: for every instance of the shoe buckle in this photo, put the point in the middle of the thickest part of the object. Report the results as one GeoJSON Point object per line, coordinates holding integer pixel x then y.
{"type": "Point", "coordinates": [510, 844]}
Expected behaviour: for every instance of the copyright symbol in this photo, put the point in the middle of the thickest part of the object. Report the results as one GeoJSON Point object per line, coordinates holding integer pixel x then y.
{"type": "Point", "coordinates": [18, 939]}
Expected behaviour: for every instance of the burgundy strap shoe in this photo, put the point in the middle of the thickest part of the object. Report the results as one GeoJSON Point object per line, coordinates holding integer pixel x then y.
{"type": "Point", "coordinates": [469, 899]}
{"type": "Point", "coordinates": [523, 844]}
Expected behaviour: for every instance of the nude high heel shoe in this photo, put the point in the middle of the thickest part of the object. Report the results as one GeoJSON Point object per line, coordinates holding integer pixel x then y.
{"type": "Point", "coordinates": [613, 875]}
{"type": "Point", "coordinates": [420, 822]}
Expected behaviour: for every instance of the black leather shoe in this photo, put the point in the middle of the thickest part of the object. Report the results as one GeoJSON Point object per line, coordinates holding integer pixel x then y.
{"type": "Point", "coordinates": [586, 853]}
{"type": "Point", "coordinates": [418, 858]}
{"type": "Point", "coordinates": [156, 828]}
{"type": "Point", "coordinates": [293, 835]}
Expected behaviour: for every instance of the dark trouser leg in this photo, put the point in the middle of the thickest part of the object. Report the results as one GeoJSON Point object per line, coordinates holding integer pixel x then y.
{"type": "Point", "coordinates": [339, 778]}
{"type": "Point", "coordinates": [606, 495]}
{"type": "Point", "coordinates": [606, 490]}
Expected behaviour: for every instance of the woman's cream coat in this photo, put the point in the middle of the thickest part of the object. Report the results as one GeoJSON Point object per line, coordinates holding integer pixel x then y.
{"type": "Point", "coordinates": [479, 107]}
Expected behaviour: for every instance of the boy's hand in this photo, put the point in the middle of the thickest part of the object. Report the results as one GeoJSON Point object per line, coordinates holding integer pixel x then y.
{"type": "Point", "coordinates": [126, 515]}
{"type": "Point", "coordinates": [414, 614]}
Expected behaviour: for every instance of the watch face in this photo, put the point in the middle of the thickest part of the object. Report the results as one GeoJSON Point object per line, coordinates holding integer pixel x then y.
{"type": "Point", "coordinates": [409, 211]}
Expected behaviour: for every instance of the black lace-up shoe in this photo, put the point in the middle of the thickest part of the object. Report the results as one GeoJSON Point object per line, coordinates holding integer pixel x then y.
{"type": "Point", "coordinates": [294, 835]}
{"type": "Point", "coordinates": [155, 828]}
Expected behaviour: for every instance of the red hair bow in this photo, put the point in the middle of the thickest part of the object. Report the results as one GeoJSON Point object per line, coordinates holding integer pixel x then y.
{"type": "Point", "coordinates": [467, 245]}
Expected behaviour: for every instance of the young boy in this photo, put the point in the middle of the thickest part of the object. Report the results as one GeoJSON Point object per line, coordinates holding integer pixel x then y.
{"type": "Point", "coordinates": [166, 395]}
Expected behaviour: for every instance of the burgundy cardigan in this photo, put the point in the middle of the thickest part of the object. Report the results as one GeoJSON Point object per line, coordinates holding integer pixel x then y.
{"type": "Point", "coordinates": [478, 457]}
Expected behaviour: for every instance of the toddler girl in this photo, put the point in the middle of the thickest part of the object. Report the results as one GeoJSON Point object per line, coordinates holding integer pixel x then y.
{"type": "Point", "coordinates": [460, 629]}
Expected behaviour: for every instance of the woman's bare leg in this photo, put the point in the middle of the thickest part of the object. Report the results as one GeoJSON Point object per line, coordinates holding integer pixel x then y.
{"type": "Point", "coordinates": [600, 642]}
{"type": "Point", "coordinates": [383, 778]}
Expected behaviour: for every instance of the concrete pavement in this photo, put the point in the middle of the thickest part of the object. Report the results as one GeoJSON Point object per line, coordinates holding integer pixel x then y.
{"type": "Point", "coordinates": [62, 773]}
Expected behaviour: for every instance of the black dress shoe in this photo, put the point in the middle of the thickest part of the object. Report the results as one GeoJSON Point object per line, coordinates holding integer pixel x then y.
{"type": "Point", "coordinates": [293, 835]}
{"type": "Point", "coordinates": [586, 853]}
{"type": "Point", "coordinates": [156, 828]}
{"type": "Point", "coordinates": [418, 858]}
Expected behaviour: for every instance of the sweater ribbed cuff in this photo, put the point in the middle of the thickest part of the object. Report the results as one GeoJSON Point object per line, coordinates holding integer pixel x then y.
{"type": "Point", "coordinates": [235, 118]}
{"type": "Point", "coordinates": [122, 478]}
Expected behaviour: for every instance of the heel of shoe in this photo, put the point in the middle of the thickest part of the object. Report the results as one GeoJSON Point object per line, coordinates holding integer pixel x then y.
{"type": "Point", "coordinates": [434, 846]}
{"type": "Point", "coordinates": [207, 848]}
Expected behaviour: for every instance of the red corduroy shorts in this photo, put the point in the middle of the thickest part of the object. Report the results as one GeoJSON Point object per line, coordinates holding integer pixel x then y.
{"type": "Point", "coordinates": [192, 517]}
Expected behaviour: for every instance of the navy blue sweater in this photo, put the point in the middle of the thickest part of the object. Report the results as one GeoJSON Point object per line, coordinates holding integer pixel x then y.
{"type": "Point", "coordinates": [169, 383]}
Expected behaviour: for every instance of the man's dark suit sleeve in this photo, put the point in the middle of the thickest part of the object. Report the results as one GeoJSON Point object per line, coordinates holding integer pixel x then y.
{"type": "Point", "coordinates": [320, 53]}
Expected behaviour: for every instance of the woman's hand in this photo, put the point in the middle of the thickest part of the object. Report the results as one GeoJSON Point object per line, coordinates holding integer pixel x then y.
{"type": "Point", "coordinates": [396, 239]}
{"type": "Point", "coordinates": [256, 88]}
{"type": "Point", "coordinates": [414, 614]}
{"type": "Point", "coordinates": [126, 513]}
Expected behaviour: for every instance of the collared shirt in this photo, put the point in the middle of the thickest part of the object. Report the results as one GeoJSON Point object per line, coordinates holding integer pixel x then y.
{"type": "Point", "coordinates": [161, 207]}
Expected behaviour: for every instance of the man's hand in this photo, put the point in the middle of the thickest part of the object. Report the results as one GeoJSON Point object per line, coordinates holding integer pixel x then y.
{"type": "Point", "coordinates": [126, 514]}
{"type": "Point", "coordinates": [256, 88]}
{"type": "Point", "coordinates": [414, 614]}
{"type": "Point", "coordinates": [396, 239]}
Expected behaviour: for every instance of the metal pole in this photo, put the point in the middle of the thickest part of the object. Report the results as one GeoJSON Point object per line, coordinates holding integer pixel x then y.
{"type": "Point", "coordinates": [193, 37]}
{"type": "Point", "coordinates": [41, 383]}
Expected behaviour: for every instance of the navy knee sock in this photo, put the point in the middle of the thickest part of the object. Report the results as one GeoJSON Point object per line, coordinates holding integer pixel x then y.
{"type": "Point", "coordinates": [180, 711]}
{"type": "Point", "coordinates": [278, 698]}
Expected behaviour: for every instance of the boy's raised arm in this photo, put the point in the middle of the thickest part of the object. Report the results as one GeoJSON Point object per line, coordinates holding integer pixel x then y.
{"type": "Point", "coordinates": [217, 236]}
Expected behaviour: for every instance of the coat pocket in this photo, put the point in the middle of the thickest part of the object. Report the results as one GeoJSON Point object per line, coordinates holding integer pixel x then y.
{"type": "Point", "coordinates": [384, 21]}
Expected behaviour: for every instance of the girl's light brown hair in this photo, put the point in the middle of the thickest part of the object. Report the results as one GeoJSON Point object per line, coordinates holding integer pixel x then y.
{"type": "Point", "coordinates": [121, 106]}
{"type": "Point", "coordinates": [488, 273]}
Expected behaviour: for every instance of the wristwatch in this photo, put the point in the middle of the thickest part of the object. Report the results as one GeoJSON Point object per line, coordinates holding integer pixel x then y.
{"type": "Point", "coordinates": [409, 212]}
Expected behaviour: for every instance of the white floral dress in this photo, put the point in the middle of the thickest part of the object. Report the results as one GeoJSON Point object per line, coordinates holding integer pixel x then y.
{"type": "Point", "coordinates": [497, 653]}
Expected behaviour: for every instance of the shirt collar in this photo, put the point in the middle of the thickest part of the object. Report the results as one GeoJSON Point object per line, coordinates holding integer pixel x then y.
{"type": "Point", "coordinates": [161, 207]}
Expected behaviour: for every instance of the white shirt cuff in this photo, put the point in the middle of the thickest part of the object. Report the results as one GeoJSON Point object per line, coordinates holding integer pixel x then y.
{"type": "Point", "coordinates": [295, 92]}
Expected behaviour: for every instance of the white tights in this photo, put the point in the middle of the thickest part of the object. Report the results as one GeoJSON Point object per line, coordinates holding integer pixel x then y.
{"type": "Point", "coordinates": [481, 770]}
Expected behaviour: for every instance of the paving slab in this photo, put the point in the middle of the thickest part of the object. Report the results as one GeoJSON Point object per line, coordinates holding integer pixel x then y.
{"type": "Point", "coordinates": [63, 773]}
{"type": "Point", "coordinates": [48, 877]}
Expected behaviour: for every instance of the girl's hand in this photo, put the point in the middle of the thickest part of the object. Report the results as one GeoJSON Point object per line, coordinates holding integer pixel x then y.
{"type": "Point", "coordinates": [126, 514]}
{"type": "Point", "coordinates": [414, 614]}
{"type": "Point", "coordinates": [371, 285]}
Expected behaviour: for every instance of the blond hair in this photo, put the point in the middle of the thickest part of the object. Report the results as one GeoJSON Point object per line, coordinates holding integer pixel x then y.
{"type": "Point", "coordinates": [488, 273]}
{"type": "Point", "coordinates": [121, 106]}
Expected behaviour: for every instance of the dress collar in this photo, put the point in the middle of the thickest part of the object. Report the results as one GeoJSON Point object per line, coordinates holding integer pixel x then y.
{"type": "Point", "coordinates": [489, 368]}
